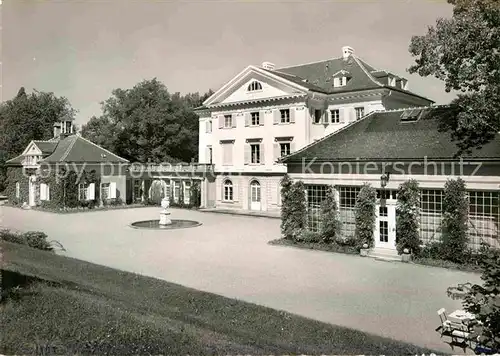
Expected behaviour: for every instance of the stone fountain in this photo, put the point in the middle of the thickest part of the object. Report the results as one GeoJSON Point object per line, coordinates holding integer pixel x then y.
{"type": "Point", "coordinates": [164, 213]}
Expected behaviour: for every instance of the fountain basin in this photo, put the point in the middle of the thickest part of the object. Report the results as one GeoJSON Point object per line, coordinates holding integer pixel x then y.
{"type": "Point", "coordinates": [174, 224]}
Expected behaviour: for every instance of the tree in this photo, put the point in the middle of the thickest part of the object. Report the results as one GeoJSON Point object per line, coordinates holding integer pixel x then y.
{"type": "Point", "coordinates": [294, 213]}
{"type": "Point", "coordinates": [147, 123]}
{"type": "Point", "coordinates": [28, 117]}
{"type": "Point", "coordinates": [464, 52]}
{"type": "Point", "coordinates": [330, 221]}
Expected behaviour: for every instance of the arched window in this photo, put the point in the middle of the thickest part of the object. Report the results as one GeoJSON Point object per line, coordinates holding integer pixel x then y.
{"type": "Point", "coordinates": [255, 191]}
{"type": "Point", "coordinates": [253, 86]}
{"type": "Point", "coordinates": [228, 190]}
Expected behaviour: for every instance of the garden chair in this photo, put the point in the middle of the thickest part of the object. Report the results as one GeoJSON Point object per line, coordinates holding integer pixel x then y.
{"type": "Point", "coordinates": [458, 332]}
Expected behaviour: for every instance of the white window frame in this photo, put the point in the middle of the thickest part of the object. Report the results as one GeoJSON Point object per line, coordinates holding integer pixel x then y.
{"type": "Point", "coordinates": [82, 190]}
{"type": "Point", "coordinates": [255, 157]}
{"type": "Point", "coordinates": [287, 151]}
{"type": "Point", "coordinates": [105, 188]}
{"type": "Point", "coordinates": [228, 191]}
{"type": "Point", "coordinates": [335, 116]}
{"type": "Point", "coordinates": [228, 119]}
{"type": "Point", "coordinates": [254, 86]}
{"type": "Point", "coordinates": [285, 116]}
{"type": "Point", "coordinates": [255, 118]}
{"type": "Point", "coordinates": [358, 110]}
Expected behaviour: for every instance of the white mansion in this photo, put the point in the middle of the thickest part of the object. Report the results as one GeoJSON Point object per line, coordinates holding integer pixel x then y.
{"type": "Point", "coordinates": [264, 113]}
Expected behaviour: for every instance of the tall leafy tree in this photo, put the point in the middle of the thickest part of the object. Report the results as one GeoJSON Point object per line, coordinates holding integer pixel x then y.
{"type": "Point", "coordinates": [147, 123]}
{"type": "Point", "coordinates": [464, 52]}
{"type": "Point", "coordinates": [28, 117]}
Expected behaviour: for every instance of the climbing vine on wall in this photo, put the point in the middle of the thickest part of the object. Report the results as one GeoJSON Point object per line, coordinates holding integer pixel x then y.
{"type": "Point", "coordinates": [365, 215]}
{"type": "Point", "coordinates": [15, 174]}
{"type": "Point", "coordinates": [294, 210]}
{"type": "Point", "coordinates": [407, 217]}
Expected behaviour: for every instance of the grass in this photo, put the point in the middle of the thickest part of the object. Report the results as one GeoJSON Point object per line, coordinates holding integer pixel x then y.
{"type": "Point", "coordinates": [467, 267]}
{"type": "Point", "coordinates": [91, 309]}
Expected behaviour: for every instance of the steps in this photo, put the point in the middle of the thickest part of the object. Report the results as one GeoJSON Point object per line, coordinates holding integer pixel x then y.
{"type": "Point", "coordinates": [384, 254]}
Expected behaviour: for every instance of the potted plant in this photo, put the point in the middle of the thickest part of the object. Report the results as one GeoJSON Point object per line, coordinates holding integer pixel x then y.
{"type": "Point", "coordinates": [406, 257]}
{"type": "Point", "coordinates": [364, 250]}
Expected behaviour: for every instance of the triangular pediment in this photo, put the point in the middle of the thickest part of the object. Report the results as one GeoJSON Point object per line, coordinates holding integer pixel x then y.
{"type": "Point", "coordinates": [254, 83]}
{"type": "Point", "coordinates": [32, 149]}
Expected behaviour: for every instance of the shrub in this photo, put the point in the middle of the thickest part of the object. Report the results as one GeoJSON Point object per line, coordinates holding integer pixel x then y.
{"type": "Point", "coordinates": [330, 220]}
{"type": "Point", "coordinates": [195, 195]}
{"type": "Point", "coordinates": [308, 236]}
{"type": "Point", "coordinates": [286, 186]}
{"type": "Point", "coordinates": [365, 215]}
{"type": "Point", "coordinates": [407, 217]}
{"type": "Point", "coordinates": [9, 236]}
{"type": "Point", "coordinates": [38, 240]}
{"type": "Point", "coordinates": [454, 223]}
{"type": "Point", "coordinates": [294, 219]}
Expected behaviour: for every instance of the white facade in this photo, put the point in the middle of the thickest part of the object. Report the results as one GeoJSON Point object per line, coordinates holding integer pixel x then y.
{"type": "Point", "coordinates": [257, 116]}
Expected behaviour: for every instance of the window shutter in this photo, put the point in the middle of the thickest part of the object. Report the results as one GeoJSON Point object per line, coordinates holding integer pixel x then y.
{"type": "Point", "coordinates": [292, 115]}
{"type": "Point", "coordinates": [236, 196]}
{"type": "Point", "coordinates": [262, 154]}
{"type": "Point", "coordinates": [247, 119]}
{"type": "Point", "coordinates": [233, 121]}
{"type": "Point", "coordinates": [221, 121]}
{"type": "Point", "coordinates": [112, 190]}
{"type": "Point", "coordinates": [47, 192]}
{"type": "Point", "coordinates": [276, 117]}
{"type": "Point", "coordinates": [42, 191]}
{"type": "Point", "coordinates": [292, 147]}
{"type": "Point", "coordinates": [91, 191]}
{"type": "Point", "coordinates": [262, 115]}
{"type": "Point", "coordinates": [207, 127]}
{"type": "Point", "coordinates": [341, 116]}
{"type": "Point", "coordinates": [277, 151]}
{"type": "Point", "coordinates": [324, 117]}
{"type": "Point", "coordinates": [248, 153]}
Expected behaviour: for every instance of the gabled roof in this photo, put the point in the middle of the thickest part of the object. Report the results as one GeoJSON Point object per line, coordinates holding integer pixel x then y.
{"type": "Point", "coordinates": [383, 135]}
{"type": "Point", "coordinates": [320, 75]}
{"type": "Point", "coordinates": [46, 146]}
{"type": "Point", "coordinates": [75, 148]}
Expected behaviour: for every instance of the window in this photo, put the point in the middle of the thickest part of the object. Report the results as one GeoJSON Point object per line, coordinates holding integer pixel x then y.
{"type": "Point", "coordinates": [228, 191]}
{"type": "Point", "coordinates": [209, 155]}
{"type": "Point", "coordinates": [254, 86]}
{"type": "Point", "coordinates": [18, 190]}
{"type": "Point", "coordinates": [228, 121]}
{"type": "Point", "coordinates": [284, 149]}
{"type": "Point", "coordinates": [255, 153]}
{"type": "Point", "coordinates": [341, 81]}
{"type": "Point", "coordinates": [82, 191]}
{"type": "Point", "coordinates": [227, 154]}
{"type": "Point", "coordinates": [255, 116]}
{"type": "Point", "coordinates": [177, 190]}
{"type": "Point", "coordinates": [137, 190]}
{"type": "Point", "coordinates": [285, 116]}
{"type": "Point", "coordinates": [347, 203]}
{"type": "Point", "coordinates": [44, 192]}
{"type": "Point", "coordinates": [431, 208]}
{"type": "Point", "coordinates": [317, 116]}
{"type": "Point", "coordinates": [335, 116]}
{"type": "Point", "coordinates": [105, 190]}
{"type": "Point", "coordinates": [360, 112]}
{"type": "Point", "coordinates": [315, 195]}
{"type": "Point", "coordinates": [484, 218]}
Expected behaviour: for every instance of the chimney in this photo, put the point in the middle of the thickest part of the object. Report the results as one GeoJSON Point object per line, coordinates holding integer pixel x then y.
{"type": "Point", "coordinates": [57, 129]}
{"type": "Point", "coordinates": [268, 65]}
{"type": "Point", "coordinates": [347, 51]}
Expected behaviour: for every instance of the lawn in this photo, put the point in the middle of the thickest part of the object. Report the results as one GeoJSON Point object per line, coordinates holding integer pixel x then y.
{"type": "Point", "coordinates": [85, 308]}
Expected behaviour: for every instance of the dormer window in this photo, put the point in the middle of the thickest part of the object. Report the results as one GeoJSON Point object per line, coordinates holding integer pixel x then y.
{"type": "Point", "coordinates": [340, 78]}
{"type": "Point", "coordinates": [254, 86]}
{"type": "Point", "coordinates": [392, 81]}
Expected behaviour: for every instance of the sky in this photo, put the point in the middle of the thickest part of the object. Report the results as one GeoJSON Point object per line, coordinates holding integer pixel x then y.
{"type": "Point", "coordinates": [84, 49]}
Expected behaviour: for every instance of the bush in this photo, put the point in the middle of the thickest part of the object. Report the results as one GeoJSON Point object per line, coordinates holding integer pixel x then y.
{"type": "Point", "coordinates": [365, 216]}
{"type": "Point", "coordinates": [9, 236]}
{"type": "Point", "coordinates": [308, 236]}
{"type": "Point", "coordinates": [330, 221]}
{"type": "Point", "coordinates": [34, 239]}
{"type": "Point", "coordinates": [454, 223]}
{"type": "Point", "coordinates": [38, 240]}
{"type": "Point", "coordinates": [294, 213]}
{"type": "Point", "coordinates": [407, 217]}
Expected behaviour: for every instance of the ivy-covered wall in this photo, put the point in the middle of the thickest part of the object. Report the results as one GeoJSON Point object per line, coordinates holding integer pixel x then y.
{"type": "Point", "coordinates": [16, 174]}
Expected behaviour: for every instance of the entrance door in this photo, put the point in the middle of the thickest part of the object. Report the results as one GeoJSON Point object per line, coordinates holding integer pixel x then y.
{"type": "Point", "coordinates": [385, 229]}
{"type": "Point", "coordinates": [31, 191]}
{"type": "Point", "coordinates": [255, 196]}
